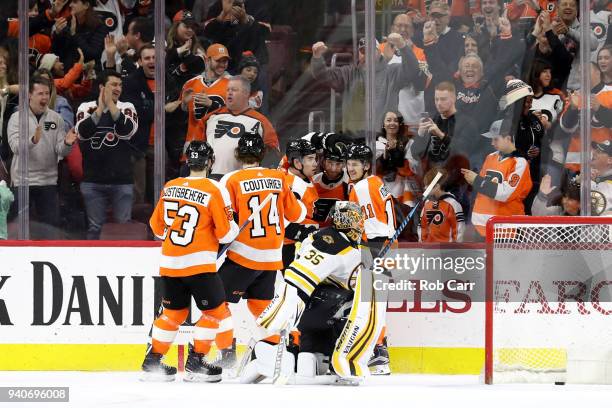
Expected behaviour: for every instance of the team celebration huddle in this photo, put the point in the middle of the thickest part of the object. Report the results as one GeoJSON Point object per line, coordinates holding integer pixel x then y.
{"type": "Point", "coordinates": [309, 219]}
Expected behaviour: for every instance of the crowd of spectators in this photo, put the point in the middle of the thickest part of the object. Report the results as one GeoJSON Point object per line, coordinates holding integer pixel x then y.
{"type": "Point", "coordinates": [456, 82]}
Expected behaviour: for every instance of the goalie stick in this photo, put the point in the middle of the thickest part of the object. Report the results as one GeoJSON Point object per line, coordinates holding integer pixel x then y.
{"type": "Point", "coordinates": [278, 378]}
{"type": "Point", "coordinates": [383, 251]}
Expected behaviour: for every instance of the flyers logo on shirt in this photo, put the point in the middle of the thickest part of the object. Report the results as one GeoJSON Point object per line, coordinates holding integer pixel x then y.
{"type": "Point", "coordinates": [50, 125]}
{"type": "Point", "coordinates": [495, 176]}
{"type": "Point", "coordinates": [109, 19]}
{"type": "Point", "coordinates": [231, 129]}
{"type": "Point", "coordinates": [599, 30]}
{"type": "Point", "coordinates": [435, 217]}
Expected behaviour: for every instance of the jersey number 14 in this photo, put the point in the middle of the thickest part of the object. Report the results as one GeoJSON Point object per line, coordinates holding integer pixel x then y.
{"type": "Point", "coordinates": [258, 227]}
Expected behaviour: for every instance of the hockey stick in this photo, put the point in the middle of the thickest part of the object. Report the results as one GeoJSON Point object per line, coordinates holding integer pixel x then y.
{"type": "Point", "coordinates": [255, 212]}
{"type": "Point", "coordinates": [245, 357]}
{"type": "Point", "coordinates": [279, 379]}
{"type": "Point", "coordinates": [398, 231]}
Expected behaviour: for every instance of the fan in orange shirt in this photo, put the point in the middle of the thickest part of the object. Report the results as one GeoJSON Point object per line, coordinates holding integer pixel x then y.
{"type": "Point", "coordinates": [207, 92]}
{"type": "Point", "coordinates": [192, 217]}
{"type": "Point", "coordinates": [442, 218]}
{"type": "Point", "coordinates": [504, 180]}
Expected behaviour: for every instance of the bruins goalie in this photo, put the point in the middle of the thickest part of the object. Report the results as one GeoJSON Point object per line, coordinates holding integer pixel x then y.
{"type": "Point", "coordinates": [329, 298]}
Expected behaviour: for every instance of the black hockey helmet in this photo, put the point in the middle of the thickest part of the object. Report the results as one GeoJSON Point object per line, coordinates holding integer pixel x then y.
{"type": "Point", "coordinates": [198, 154]}
{"type": "Point", "coordinates": [335, 153]}
{"type": "Point", "coordinates": [296, 149]}
{"type": "Point", "coordinates": [250, 144]}
{"type": "Point", "coordinates": [360, 152]}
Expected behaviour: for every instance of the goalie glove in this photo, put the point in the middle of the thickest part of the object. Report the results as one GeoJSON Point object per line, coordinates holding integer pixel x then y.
{"type": "Point", "coordinates": [298, 232]}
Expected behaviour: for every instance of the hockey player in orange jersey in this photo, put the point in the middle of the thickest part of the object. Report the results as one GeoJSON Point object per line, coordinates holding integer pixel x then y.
{"type": "Point", "coordinates": [442, 218]}
{"type": "Point", "coordinates": [302, 159]}
{"type": "Point", "coordinates": [192, 217]}
{"type": "Point", "coordinates": [255, 256]}
{"type": "Point", "coordinates": [504, 180]}
{"type": "Point", "coordinates": [376, 202]}
{"type": "Point", "coordinates": [331, 184]}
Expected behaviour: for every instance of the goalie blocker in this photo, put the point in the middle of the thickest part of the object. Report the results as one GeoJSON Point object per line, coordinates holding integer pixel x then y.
{"type": "Point", "coordinates": [329, 298]}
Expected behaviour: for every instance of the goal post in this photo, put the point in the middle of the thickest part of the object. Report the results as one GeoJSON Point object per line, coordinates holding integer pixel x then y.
{"type": "Point", "coordinates": [548, 304]}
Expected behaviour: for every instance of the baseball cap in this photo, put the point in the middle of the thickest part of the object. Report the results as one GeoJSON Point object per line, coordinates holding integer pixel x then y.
{"type": "Point", "coordinates": [184, 16]}
{"type": "Point", "coordinates": [217, 51]}
{"type": "Point", "coordinates": [605, 146]}
{"type": "Point", "coordinates": [498, 128]}
{"type": "Point", "coordinates": [439, 7]}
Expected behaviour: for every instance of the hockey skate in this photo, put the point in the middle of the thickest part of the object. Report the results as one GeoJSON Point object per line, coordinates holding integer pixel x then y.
{"type": "Point", "coordinates": [197, 369]}
{"type": "Point", "coordinates": [226, 358]}
{"type": "Point", "coordinates": [379, 362]}
{"type": "Point", "coordinates": [154, 370]}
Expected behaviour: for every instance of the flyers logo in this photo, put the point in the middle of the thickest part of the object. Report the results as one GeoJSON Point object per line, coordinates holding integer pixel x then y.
{"type": "Point", "coordinates": [495, 176]}
{"type": "Point", "coordinates": [50, 125]}
{"type": "Point", "coordinates": [599, 30]}
{"type": "Point", "coordinates": [231, 129]}
{"type": "Point", "coordinates": [109, 19]}
{"type": "Point", "coordinates": [435, 217]}
{"type": "Point", "coordinates": [104, 136]}
{"type": "Point", "coordinates": [514, 180]}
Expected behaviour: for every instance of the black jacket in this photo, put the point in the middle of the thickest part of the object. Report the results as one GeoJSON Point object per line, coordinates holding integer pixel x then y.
{"type": "Point", "coordinates": [136, 91]}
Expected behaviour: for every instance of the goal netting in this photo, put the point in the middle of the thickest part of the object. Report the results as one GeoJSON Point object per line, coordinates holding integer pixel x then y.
{"type": "Point", "coordinates": [549, 306]}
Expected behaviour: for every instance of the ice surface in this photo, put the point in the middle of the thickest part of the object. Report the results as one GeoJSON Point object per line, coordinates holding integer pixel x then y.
{"type": "Point", "coordinates": [123, 389]}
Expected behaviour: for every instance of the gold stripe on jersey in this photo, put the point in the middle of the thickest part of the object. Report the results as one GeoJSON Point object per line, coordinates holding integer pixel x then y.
{"type": "Point", "coordinates": [345, 251]}
{"type": "Point", "coordinates": [291, 275]}
{"type": "Point", "coordinates": [266, 322]}
{"type": "Point", "coordinates": [313, 277]}
{"type": "Point", "coordinates": [361, 344]}
{"type": "Point", "coordinates": [345, 338]}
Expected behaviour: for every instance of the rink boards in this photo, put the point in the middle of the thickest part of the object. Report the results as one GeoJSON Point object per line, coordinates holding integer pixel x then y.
{"type": "Point", "coordinates": [80, 307]}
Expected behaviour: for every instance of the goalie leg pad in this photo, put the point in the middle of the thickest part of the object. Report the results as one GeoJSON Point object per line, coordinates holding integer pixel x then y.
{"type": "Point", "coordinates": [312, 364]}
{"type": "Point", "coordinates": [284, 310]}
{"type": "Point", "coordinates": [262, 366]}
{"type": "Point", "coordinates": [363, 326]}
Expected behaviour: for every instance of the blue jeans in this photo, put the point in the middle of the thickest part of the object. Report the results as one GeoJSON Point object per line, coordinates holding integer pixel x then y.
{"type": "Point", "coordinates": [97, 197]}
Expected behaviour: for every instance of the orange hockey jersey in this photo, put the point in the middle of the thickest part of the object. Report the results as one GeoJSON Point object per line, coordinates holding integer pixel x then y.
{"type": "Point", "coordinates": [216, 91]}
{"type": "Point", "coordinates": [442, 220]}
{"type": "Point", "coordinates": [328, 192]}
{"type": "Point", "coordinates": [527, 9]}
{"type": "Point", "coordinates": [377, 205]}
{"type": "Point", "coordinates": [193, 216]}
{"type": "Point", "coordinates": [600, 132]}
{"type": "Point", "coordinates": [307, 194]}
{"type": "Point", "coordinates": [259, 246]}
{"type": "Point", "coordinates": [502, 185]}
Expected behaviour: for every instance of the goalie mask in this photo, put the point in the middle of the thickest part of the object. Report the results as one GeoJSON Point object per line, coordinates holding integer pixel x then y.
{"type": "Point", "coordinates": [347, 217]}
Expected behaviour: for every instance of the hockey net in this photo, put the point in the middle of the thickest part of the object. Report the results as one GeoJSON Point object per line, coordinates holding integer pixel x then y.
{"type": "Point", "coordinates": [548, 306]}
